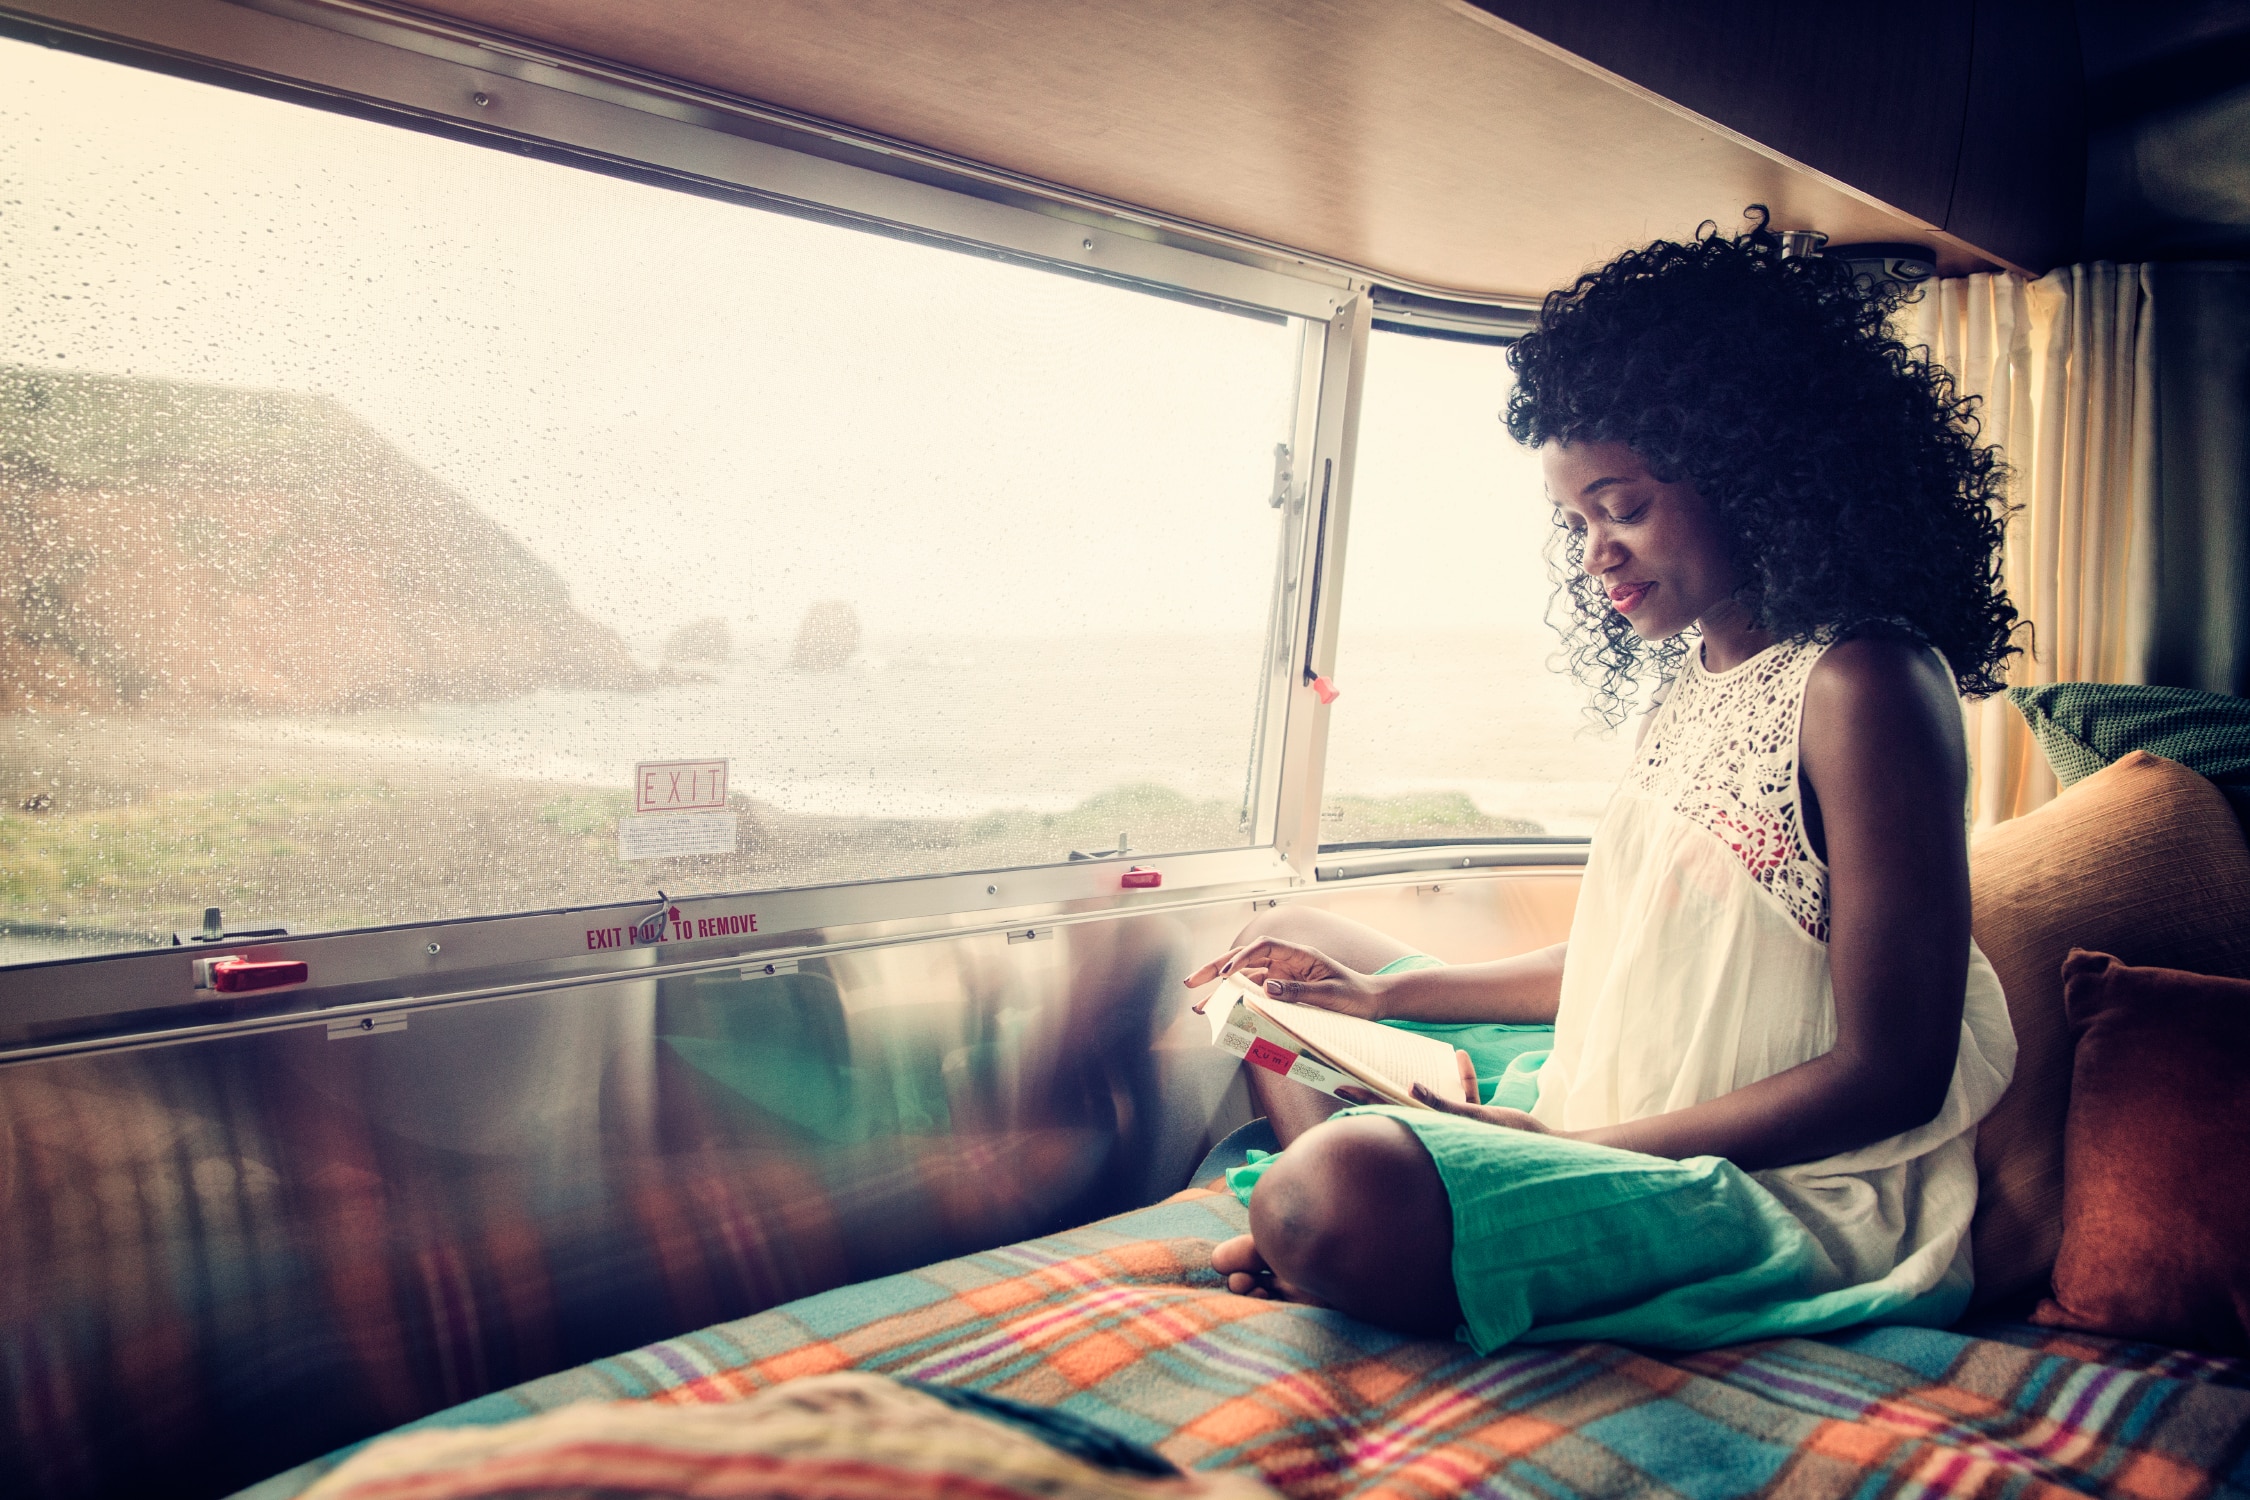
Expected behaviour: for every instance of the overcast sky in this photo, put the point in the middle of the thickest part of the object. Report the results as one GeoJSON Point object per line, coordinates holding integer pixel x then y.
{"type": "Point", "coordinates": [689, 407]}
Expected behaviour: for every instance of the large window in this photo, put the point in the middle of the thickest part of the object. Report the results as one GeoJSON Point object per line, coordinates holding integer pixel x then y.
{"type": "Point", "coordinates": [1455, 720]}
{"type": "Point", "coordinates": [377, 507]}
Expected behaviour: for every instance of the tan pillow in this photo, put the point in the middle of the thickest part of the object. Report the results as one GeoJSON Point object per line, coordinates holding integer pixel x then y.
{"type": "Point", "coordinates": [2143, 860]}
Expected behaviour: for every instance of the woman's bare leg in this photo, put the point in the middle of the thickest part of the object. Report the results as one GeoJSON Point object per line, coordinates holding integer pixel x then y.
{"type": "Point", "coordinates": [1293, 1108]}
{"type": "Point", "coordinates": [1357, 1219]}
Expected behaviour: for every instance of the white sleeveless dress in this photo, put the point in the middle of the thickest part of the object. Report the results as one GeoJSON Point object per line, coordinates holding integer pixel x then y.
{"type": "Point", "coordinates": [1698, 963]}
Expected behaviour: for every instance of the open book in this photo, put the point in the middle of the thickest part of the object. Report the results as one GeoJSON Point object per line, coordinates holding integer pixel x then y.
{"type": "Point", "coordinates": [1330, 1051]}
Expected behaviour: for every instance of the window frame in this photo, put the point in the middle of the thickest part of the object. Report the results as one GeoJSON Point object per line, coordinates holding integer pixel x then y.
{"type": "Point", "coordinates": [426, 76]}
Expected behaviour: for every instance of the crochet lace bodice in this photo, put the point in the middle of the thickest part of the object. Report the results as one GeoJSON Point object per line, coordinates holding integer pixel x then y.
{"type": "Point", "coordinates": [1722, 753]}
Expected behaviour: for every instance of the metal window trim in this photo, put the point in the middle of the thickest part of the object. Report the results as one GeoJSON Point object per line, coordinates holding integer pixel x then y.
{"type": "Point", "coordinates": [421, 71]}
{"type": "Point", "coordinates": [58, 999]}
{"type": "Point", "coordinates": [401, 26]}
{"type": "Point", "coordinates": [140, 1031]}
{"type": "Point", "coordinates": [1414, 313]}
{"type": "Point", "coordinates": [1318, 614]}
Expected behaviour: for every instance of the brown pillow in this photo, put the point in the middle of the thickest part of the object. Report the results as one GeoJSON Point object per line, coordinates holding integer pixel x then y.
{"type": "Point", "coordinates": [2156, 1158]}
{"type": "Point", "coordinates": [2142, 859]}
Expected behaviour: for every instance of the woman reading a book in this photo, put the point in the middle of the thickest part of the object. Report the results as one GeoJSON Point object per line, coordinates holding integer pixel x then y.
{"type": "Point", "coordinates": [1772, 1038]}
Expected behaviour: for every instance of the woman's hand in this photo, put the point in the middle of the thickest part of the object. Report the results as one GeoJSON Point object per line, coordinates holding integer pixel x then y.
{"type": "Point", "coordinates": [1304, 976]}
{"type": "Point", "coordinates": [1510, 1119]}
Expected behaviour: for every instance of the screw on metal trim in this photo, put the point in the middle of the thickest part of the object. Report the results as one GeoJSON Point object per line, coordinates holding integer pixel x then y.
{"type": "Point", "coordinates": [433, 950]}
{"type": "Point", "coordinates": [992, 890]}
{"type": "Point", "coordinates": [1088, 244]}
{"type": "Point", "coordinates": [480, 100]}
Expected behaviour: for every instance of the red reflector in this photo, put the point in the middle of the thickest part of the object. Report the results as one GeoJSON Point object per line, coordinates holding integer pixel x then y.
{"type": "Point", "coordinates": [238, 974]}
{"type": "Point", "coordinates": [1138, 879]}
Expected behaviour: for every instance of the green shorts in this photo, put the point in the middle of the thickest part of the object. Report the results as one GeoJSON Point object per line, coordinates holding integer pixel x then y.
{"type": "Point", "coordinates": [1559, 1241]}
{"type": "Point", "coordinates": [1507, 1057]}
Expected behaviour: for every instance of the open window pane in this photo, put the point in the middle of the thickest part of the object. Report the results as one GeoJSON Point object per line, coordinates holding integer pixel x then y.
{"type": "Point", "coordinates": [1453, 722]}
{"type": "Point", "coordinates": [374, 504]}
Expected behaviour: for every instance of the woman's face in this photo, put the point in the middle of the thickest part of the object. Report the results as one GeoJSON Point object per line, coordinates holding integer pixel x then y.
{"type": "Point", "coordinates": [1655, 547]}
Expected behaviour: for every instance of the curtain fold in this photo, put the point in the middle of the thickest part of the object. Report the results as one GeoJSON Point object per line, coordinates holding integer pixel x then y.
{"type": "Point", "coordinates": [2065, 373]}
{"type": "Point", "coordinates": [2203, 573]}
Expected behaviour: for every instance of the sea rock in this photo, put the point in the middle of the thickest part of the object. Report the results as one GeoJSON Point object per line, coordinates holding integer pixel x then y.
{"type": "Point", "coordinates": [827, 638]}
{"type": "Point", "coordinates": [167, 544]}
{"type": "Point", "coordinates": [706, 640]}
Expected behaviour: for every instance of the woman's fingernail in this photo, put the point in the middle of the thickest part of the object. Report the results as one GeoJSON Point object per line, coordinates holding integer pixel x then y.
{"type": "Point", "coordinates": [1273, 987]}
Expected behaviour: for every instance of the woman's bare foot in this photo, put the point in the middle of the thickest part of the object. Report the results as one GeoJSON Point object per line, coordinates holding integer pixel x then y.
{"type": "Point", "coordinates": [1248, 1274]}
{"type": "Point", "coordinates": [1244, 1268]}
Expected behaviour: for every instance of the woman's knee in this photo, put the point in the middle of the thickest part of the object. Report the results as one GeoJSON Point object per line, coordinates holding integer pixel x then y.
{"type": "Point", "coordinates": [1355, 1216]}
{"type": "Point", "coordinates": [1289, 923]}
{"type": "Point", "coordinates": [1351, 943]}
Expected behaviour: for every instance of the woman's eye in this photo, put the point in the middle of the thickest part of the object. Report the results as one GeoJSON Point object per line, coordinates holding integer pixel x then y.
{"type": "Point", "coordinates": [1630, 516]}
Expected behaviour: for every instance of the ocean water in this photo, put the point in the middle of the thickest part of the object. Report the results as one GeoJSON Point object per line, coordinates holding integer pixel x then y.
{"type": "Point", "coordinates": [958, 727]}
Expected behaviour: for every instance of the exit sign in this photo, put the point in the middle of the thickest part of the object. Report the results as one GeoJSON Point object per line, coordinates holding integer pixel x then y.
{"type": "Point", "coordinates": [661, 786]}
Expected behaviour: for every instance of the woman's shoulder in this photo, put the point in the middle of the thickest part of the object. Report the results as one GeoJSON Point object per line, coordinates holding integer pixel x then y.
{"type": "Point", "coordinates": [1881, 665]}
{"type": "Point", "coordinates": [1884, 693]}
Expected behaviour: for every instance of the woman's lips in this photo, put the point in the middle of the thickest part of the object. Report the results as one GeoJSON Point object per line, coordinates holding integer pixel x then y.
{"type": "Point", "coordinates": [1626, 597]}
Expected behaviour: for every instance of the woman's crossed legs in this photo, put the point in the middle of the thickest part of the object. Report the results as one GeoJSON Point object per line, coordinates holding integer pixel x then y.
{"type": "Point", "coordinates": [1353, 1215]}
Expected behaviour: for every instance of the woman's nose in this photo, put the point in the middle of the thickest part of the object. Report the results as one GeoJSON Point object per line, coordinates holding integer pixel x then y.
{"type": "Point", "coordinates": [1603, 552]}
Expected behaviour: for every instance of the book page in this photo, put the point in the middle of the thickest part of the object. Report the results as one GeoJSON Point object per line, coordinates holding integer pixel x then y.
{"type": "Point", "coordinates": [1220, 1003]}
{"type": "Point", "coordinates": [1398, 1059]}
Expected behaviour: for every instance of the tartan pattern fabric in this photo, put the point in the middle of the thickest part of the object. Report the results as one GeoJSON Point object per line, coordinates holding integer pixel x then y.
{"type": "Point", "coordinates": [1123, 1323]}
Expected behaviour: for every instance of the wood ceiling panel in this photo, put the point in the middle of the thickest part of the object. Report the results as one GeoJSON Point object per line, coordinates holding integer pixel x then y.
{"type": "Point", "coordinates": [1421, 139]}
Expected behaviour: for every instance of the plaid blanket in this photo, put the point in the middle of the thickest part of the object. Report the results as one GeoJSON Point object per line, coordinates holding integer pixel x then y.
{"type": "Point", "coordinates": [1122, 1323]}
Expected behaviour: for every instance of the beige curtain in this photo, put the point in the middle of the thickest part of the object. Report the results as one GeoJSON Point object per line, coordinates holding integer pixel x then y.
{"type": "Point", "coordinates": [2066, 372]}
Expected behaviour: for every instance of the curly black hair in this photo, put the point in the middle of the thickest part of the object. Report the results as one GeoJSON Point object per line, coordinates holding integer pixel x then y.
{"type": "Point", "coordinates": [1844, 465]}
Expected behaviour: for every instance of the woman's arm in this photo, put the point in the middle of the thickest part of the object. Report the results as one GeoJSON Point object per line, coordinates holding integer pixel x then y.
{"type": "Point", "coordinates": [1882, 756]}
{"type": "Point", "coordinates": [1522, 990]}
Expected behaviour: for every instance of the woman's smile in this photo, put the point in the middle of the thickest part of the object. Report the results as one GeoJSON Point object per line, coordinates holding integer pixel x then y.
{"type": "Point", "coordinates": [1627, 597]}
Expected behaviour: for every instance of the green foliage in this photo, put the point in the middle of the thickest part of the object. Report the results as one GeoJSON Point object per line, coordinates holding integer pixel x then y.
{"type": "Point", "coordinates": [1152, 817]}
{"type": "Point", "coordinates": [1415, 815]}
{"type": "Point", "coordinates": [151, 866]}
{"type": "Point", "coordinates": [585, 815]}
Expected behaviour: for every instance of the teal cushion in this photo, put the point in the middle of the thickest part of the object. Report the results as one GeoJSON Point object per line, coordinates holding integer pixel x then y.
{"type": "Point", "coordinates": [2083, 726]}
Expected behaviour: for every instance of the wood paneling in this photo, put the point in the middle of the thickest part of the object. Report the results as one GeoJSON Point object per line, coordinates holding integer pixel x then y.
{"type": "Point", "coordinates": [1878, 106]}
{"type": "Point", "coordinates": [1969, 116]}
{"type": "Point", "coordinates": [1424, 140]}
{"type": "Point", "coordinates": [2021, 183]}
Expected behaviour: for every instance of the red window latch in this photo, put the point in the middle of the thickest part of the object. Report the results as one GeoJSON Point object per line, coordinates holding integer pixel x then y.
{"type": "Point", "coordinates": [1138, 879]}
{"type": "Point", "coordinates": [232, 976]}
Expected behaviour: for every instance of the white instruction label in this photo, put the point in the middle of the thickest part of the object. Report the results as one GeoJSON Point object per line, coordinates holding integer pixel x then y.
{"type": "Point", "coordinates": [669, 835]}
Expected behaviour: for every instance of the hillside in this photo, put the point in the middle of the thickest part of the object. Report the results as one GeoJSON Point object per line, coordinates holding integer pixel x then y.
{"type": "Point", "coordinates": [164, 544]}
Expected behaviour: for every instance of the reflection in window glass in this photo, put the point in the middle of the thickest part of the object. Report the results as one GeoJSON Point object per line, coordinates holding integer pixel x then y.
{"type": "Point", "coordinates": [374, 503]}
{"type": "Point", "coordinates": [1454, 720]}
